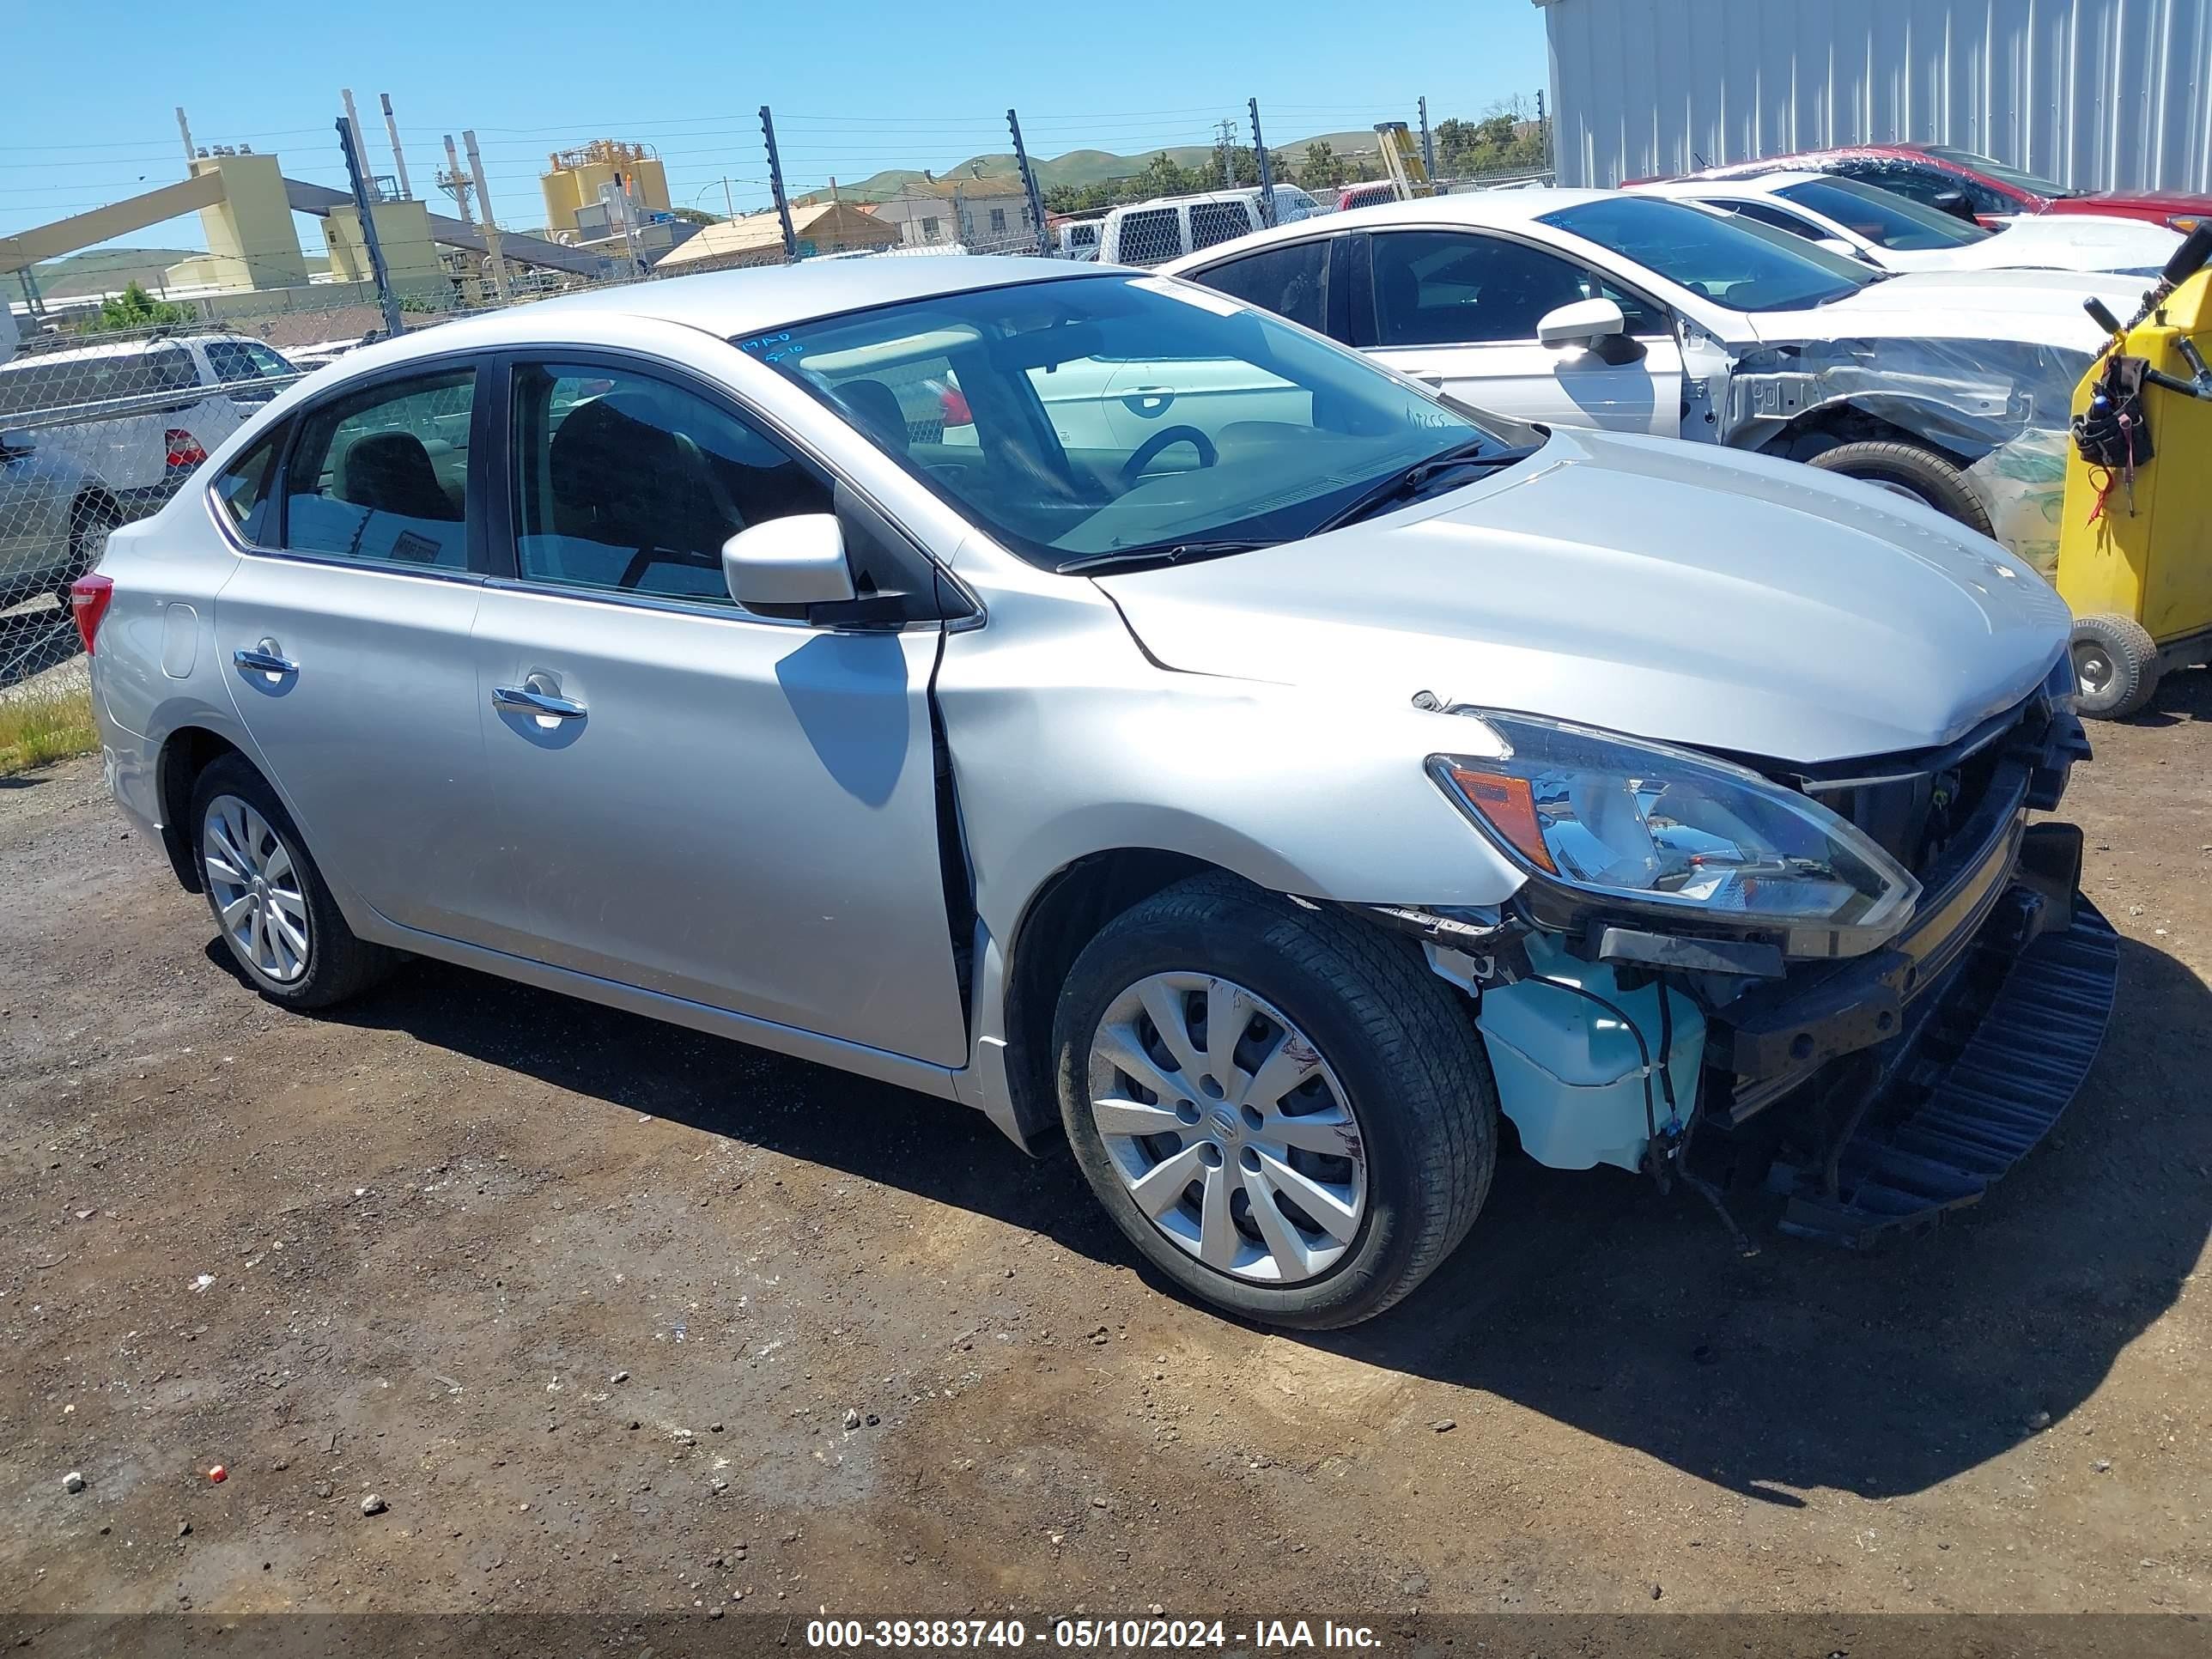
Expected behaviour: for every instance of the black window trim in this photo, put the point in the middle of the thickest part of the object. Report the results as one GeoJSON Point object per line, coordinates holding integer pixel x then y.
{"type": "Point", "coordinates": [930, 577]}
{"type": "Point", "coordinates": [1372, 330]}
{"type": "Point", "coordinates": [280, 433]}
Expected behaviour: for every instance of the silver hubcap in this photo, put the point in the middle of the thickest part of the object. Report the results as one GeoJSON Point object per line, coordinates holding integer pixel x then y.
{"type": "Point", "coordinates": [256, 888]}
{"type": "Point", "coordinates": [2093, 669]}
{"type": "Point", "coordinates": [1227, 1128]}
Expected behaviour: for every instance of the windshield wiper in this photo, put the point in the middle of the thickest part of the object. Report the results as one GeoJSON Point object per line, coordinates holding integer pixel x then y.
{"type": "Point", "coordinates": [1408, 484]}
{"type": "Point", "coordinates": [1156, 553]}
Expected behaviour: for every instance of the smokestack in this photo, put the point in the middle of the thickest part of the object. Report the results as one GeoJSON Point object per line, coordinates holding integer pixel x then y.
{"type": "Point", "coordinates": [398, 160]}
{"type": "Point", "coordinates": [353, 125]}
{"type": "Point", "coordinates": [460, 180]}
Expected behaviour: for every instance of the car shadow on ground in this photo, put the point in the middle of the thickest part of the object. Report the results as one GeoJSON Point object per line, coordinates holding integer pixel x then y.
{"type": "Point", "coordinates": [2182, 696]}
{"type": "Point", "coordinates": [1588, 1296]}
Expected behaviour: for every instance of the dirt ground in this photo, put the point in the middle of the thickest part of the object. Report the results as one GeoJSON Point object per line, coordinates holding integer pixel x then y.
{"type": "Point", "coordinates": [590, 1303]}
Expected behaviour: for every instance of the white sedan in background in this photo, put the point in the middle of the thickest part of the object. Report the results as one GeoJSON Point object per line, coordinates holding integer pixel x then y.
{"type": "Point", "coordinates": [1626, 310]}
{"type": "Point", "coordinates": [1895, 233]}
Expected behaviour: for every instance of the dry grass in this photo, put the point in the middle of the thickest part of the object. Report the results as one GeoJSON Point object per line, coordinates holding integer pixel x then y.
{"type": "Point", "coordinates": [39, 725]}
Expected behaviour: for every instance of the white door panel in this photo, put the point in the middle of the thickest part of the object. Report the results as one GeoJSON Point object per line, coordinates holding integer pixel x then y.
{"type": "Point", "coordinates": [1532, 382]}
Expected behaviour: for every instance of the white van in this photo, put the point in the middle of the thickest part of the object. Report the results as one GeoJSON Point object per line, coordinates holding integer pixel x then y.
{"type": "Point", "coordinates": [1169, 227]}
{"type": "Point", "coordinates": [140, 415]}
{"type": "Point", "coordinates": [1077, 239]}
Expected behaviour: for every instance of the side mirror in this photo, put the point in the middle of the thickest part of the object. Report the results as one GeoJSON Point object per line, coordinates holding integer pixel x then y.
{"type": "Point", "coordinates": [786, 566]}
{"type": "Point", "coordinates": [13, 444]}
{"type": "Point", "coordinates": [1954, 203]}
{"type": "Point", "coordinates": [1837, 245]}
{"type": "Point", "coordinates": [1584, 323]}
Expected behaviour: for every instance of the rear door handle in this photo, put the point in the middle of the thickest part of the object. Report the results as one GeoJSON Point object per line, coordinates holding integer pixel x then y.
{"type": "Point", "coordinates": [525, 700]}
{"type": "Point", "coordinates": [263, 659]}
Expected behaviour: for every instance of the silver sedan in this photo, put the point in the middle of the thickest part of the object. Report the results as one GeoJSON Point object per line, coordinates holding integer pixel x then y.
{"type": "Point", "coordinates": [1088, 698]}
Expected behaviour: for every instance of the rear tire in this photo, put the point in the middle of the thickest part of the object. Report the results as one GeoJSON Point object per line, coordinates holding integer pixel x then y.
{"type": "Point", "coordinates": [1908, 470]}
{"type": "Point", "coordinates": [2116, 666]}
{"type": "Point", "coordinates": [271, 906]}
{"type": "Point", "coordinates": [1380, 1054]}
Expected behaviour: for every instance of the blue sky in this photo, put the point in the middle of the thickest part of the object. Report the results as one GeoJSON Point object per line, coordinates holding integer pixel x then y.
{"type": "Point", "coordinates": [856, 86]}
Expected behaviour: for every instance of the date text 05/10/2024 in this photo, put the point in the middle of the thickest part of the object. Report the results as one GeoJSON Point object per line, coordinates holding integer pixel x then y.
{"type": "Point", "coordinates": [1087, 1635]}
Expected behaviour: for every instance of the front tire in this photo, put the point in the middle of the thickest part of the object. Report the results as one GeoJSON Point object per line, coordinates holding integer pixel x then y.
{"type": "Point", "coordinates": [1285, 1112]}
{"type": "Point", "coordinates": [1910, 470]}
{"type": "Point", "coordinates": [271, 904]}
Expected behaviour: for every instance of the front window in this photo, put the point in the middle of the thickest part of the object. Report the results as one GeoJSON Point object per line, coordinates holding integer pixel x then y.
{"type": "Point", "coordinates": [1884, 217]}
{"type": "Point", "coordinates": [1115, 413]}
{"type": "Point", "coordinates": [2018, 178]}
{"type": "Point", "coordinates": [1743, 266]}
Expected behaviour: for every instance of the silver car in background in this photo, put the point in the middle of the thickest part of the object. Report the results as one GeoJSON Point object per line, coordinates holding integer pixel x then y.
{"type": "Point", "coordinates": [1089, 698]}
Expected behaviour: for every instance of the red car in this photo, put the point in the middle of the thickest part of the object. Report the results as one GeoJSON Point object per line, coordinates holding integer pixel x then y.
{"type": "Point", "coordinates": [1954, 178]}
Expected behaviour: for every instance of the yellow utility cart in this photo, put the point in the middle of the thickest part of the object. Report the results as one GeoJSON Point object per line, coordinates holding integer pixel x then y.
{"type": "Point", "coordinates": [2135, 551]}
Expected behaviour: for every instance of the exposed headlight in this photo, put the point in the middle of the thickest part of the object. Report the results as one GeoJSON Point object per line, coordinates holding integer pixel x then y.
{"type": "Point", "coordinates": [1658, 828]}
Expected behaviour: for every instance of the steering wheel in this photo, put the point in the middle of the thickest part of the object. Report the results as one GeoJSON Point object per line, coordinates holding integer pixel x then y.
{"type": "Point", "coordinates": [1149, 451]}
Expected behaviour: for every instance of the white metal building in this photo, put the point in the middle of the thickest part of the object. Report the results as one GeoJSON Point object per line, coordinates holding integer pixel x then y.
{"type": "Point", "coordinates": [2096, 93]}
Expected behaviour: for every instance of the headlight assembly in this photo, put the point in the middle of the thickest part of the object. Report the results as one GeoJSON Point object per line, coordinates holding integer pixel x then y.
{"type": "Point", "coordinates": [1667, 830]}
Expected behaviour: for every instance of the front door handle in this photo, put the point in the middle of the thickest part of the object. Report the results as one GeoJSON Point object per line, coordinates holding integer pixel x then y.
{"type": "Point", "coordinates": [263, 659]}
{"type": "Point", "coordinates": [528, 700]}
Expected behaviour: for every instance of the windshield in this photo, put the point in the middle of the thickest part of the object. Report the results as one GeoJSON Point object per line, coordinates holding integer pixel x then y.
{"type": "Point", "coordinates": [1109, 413]}
{"type": "Point", "coordinates": [1884, 217]}
{"type": "Point", "coordinates": [1743, 266]}
{"type": "Point", "coordinates": [2017, 178]}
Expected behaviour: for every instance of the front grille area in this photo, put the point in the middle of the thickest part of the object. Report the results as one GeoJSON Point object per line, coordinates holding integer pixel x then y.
{"type": "Point", "coordinates": [1914, 805]}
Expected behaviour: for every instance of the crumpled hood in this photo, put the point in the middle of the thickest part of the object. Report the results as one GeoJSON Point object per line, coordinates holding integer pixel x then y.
{"type": "Point", "coordinates": [2037, 307]}
{"type": "Point", "coordinates": [1694, 595]}
{"type": "Point", "coordinates": [2067, 242]}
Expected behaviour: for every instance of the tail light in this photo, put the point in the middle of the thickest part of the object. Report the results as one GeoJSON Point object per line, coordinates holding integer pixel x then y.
{"type": "Point", "coordinates": [89, 601]}
{"type": "Point", "coordinates": [185, 449]}
{"type": "Point", "coordinates": [952, 405]}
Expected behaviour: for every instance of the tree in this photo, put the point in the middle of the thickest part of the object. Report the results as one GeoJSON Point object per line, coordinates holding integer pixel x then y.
{"type": "Point", "coordinates": [691, 216]}
{"type": "Point", "coordinates": [135, 308]}
{"type": "Point", "coordinates": [1320, 169]}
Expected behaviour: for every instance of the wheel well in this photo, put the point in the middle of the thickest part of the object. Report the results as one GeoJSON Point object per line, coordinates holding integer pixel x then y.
{"type": "Point", "coordinates": [1822, 429]}
{"type": "Point", "coordinates": [1066, 915]}
{"type": "Point", "coordinates": [189, 750]}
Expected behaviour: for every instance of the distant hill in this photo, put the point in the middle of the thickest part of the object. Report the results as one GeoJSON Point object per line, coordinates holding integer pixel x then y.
{"type": "Point", "coordinates": [1078, 166]}
{"type": "Point", "coordinates": [97, 269]}
{"type": "Point", "coordinates": [104, 270]}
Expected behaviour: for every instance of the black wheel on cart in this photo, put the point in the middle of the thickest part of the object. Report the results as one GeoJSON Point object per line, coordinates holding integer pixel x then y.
{"type": "Point", "coordinates": [2116, 666]}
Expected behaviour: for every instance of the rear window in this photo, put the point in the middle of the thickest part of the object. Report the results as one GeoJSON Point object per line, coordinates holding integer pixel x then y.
{"type": "Point", "coordinates": [1214, 222]}
{"type": "Point", "coordinates": [242, 489]}
{"type": "Point", "coordinates": [1149, 237]}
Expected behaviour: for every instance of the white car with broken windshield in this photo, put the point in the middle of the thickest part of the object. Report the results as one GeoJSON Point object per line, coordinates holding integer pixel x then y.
{"type": "Point", "coordinates": [1634, 314]}
{"type": "Point", "coordinates": [1893, 232]}
{"type": "Point", "coordinates": [1098, 702]}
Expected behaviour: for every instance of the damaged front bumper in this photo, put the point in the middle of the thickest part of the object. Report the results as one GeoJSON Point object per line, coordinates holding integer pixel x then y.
{"type": "Point", "coordinates": [1872, 1094]}
{"type": "Point", "coordinates": [1899, 1086]}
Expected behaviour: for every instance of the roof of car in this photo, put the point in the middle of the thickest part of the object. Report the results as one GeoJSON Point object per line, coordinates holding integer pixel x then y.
{"type": "Point", "coordinates": [1759, 183]}
{"type": "Point", "coordinates": [1473, 207]}
{"type": "Point", "coordinates": [726, 303]}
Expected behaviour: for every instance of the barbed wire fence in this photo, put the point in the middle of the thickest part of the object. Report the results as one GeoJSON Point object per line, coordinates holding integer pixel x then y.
{"type": "Point", "coordinates": [111, 401]}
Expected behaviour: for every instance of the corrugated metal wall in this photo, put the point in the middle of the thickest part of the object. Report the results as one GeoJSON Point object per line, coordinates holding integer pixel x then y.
{"type": "Point", "coordinates": [2097, 94]}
